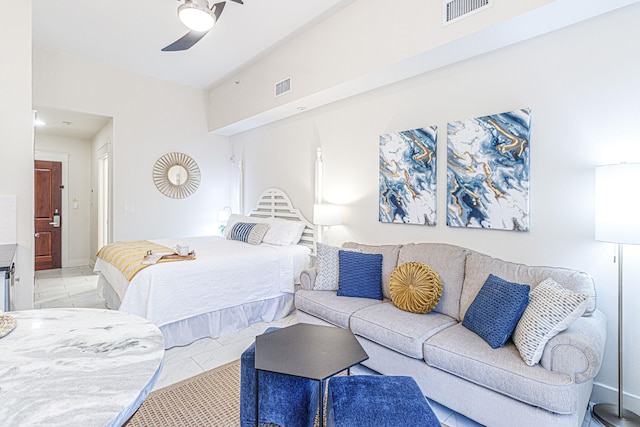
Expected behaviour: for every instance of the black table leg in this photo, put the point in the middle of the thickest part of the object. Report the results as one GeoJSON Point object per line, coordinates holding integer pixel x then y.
{"type": "Point", "coordinates": [257, 410]}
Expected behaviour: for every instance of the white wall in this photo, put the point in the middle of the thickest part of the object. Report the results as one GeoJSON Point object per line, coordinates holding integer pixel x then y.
{"type": "Point", "coordinates": [16, 141]}
{"type": "Point", "coordinates": [150, 118]}
{"type": "Point", "coordinates": [76, 221]}
{"type": "Point", "coordinates": [582, 86]}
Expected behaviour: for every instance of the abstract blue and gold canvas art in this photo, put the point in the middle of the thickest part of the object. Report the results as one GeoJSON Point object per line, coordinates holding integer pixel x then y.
{"type": "Point", "coordinates": [488, 171]}
{"type": "Point", "coordinates": [408, 176]}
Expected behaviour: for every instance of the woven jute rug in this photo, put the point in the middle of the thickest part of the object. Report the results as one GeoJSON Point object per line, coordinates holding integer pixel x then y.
{"type": "Point", "coordinates": [209, 399]}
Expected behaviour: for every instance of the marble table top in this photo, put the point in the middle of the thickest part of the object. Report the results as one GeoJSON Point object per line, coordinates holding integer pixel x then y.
{"type": "Point", "coordinates": [77, 367]}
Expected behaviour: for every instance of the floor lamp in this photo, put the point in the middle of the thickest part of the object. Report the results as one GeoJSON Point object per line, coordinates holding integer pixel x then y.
{"type": "Point", "coordinates": [616, 220]}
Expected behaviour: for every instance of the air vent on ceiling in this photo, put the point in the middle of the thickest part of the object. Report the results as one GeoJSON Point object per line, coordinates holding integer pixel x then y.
{"type": "Point", "coordinates": [283, 86]}
{"type": "Point", "coordinates": [455, 10]}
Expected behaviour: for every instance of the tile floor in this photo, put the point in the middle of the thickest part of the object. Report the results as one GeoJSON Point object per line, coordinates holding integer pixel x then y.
{"type": "Point", "coordinates": [76, 287]}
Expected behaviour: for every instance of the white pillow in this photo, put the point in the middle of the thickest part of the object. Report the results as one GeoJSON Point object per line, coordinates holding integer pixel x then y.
{"type": "Point", "coordinates": [551, 310]}
{"type": "Point", "coordinates": [283, 232]}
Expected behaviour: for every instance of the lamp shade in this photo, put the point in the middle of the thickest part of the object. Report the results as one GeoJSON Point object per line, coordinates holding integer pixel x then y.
{"type": "Point", "coordinates": [617, 210]}
{"type": "Point", "coordinates": [326, 214]}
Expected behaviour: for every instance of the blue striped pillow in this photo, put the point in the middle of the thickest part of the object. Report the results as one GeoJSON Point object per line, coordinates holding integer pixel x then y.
{"type": "Point", "coordinates": [248, 232]}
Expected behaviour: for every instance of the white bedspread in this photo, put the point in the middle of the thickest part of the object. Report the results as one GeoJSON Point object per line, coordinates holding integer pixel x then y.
{"type": "Point", "coordinates": [224, 274]}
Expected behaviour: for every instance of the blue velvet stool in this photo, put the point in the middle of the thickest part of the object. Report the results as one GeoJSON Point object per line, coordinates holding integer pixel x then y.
{"type": "Point", "coordinates": [377, 400]}
{"type": "Point", "coordinates": [284, 400]}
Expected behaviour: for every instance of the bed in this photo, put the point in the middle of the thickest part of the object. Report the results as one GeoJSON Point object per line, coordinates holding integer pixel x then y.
{"type": "Point", "coordinates": [229, 285]}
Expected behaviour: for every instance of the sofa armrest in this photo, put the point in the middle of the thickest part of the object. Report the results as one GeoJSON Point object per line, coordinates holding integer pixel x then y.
{"type": "Point", "coordinates": [308, 278]}
{"type": "Point", "coordinates": [578, 350]}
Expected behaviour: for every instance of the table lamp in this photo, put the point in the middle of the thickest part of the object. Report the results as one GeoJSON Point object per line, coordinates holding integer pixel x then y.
{"type": "Point", "coordinates": [325, 214]}
{"type": "Point", "coordinates": [616, 220]}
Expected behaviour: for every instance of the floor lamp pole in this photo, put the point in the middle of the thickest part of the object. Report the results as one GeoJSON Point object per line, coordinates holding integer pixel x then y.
{"type": "Point", "coordinates": [607, 414]}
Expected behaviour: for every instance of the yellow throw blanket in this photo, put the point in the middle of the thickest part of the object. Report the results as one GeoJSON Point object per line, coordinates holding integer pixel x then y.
{"type": "Point", "coordinates": [128, 256]}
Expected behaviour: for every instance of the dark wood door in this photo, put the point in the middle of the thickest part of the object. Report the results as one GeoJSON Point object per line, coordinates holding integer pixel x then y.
{"type": "Point", "coordinates": [48, 199]}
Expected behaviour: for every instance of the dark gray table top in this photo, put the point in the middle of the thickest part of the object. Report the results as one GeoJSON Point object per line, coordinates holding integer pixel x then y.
{"type": "Point", "coordinates": [308, 351]}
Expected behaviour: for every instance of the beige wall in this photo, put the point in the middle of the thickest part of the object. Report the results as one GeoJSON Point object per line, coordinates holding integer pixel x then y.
{"type": "Point", "coordinates": [150, 118]}
{"type": "Point", "coordinates": [16, 141]}
{"type": "Point", "coordinates": [581, 84]}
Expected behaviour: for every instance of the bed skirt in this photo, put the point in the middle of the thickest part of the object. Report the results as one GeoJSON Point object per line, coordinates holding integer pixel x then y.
{"type": "Point", "coordinates": [215, 323]}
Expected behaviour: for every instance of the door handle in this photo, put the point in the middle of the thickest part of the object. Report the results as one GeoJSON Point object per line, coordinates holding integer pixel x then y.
{"type": "Point", "coordinates": [52, 223]}
{"type": "Point", "coordinates": [36, 235]}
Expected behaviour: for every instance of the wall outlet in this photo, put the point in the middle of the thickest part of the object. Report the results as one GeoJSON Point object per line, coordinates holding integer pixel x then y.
{"type": "Point", "coordinates": [129, 208]}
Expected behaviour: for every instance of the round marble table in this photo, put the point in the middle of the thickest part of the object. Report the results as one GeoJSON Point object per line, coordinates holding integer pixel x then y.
{"type": "Point", "coordinates": [77, 367]}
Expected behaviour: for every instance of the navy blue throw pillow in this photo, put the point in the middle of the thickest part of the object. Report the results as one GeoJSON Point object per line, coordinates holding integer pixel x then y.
{"type": "Point", "coordinates": [360, 275]}
{"type": "Point", "coordinates": [496, 310]}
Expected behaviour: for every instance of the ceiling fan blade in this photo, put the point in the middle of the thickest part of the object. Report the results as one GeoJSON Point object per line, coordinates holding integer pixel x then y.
{"type": "Point", "coordinates": [186, 41]}
{"type": "Point", "coordinates": [217, 9]}
{"type": "Point", "coordinates": [238, 1]}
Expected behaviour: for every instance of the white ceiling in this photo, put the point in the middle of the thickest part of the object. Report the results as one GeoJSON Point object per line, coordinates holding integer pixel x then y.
{"type": "Point", "coordinates": [129, 34]}
{"type": "Point", "coordinates": [71, 124]}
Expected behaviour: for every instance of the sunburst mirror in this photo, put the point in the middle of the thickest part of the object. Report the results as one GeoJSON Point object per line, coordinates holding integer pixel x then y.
{"type": "Point", "coordinates": [176, 175]}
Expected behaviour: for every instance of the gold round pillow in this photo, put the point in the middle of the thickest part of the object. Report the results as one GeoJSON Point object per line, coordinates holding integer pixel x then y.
{"type": "Point", "coordinates": [415, 287]}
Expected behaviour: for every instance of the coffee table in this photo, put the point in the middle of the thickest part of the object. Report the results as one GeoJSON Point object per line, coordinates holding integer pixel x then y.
{"type": "Point", "coordinates": [308, 351]}
{"type": "Point", "coordinates": [75, 366]}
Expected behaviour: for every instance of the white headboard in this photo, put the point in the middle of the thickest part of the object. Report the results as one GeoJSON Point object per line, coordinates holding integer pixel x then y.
{"type": "Point", "coordinates": [274, 203]}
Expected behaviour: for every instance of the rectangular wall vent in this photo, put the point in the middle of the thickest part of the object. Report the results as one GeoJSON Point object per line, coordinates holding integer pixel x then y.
{"type": "Point", "coordinates": [455, 10]}
{"type": "Point", "coordinates": [283, 86]}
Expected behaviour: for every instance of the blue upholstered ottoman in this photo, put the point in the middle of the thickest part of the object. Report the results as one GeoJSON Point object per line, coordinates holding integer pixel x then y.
{"type": "Point", "coordinates": [284, 400]}
{"type": "Point", "coordinates": [377, 400]}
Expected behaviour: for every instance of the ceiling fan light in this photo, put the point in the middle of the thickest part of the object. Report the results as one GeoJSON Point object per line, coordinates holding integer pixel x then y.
{"type": "Point", "coordinates": [196, 15]}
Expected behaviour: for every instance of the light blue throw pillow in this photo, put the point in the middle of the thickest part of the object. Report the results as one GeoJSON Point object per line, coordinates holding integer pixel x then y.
{"type": "Point", "coordinates": [328, 268]}
{"type": "Point", "coordinates": [496, 310]}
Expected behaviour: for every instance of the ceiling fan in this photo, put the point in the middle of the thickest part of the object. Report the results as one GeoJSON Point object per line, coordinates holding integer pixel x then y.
{"type": "Point", "coordinates": [199, 18]}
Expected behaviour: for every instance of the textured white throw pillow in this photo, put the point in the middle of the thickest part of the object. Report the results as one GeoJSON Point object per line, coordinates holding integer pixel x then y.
{"type": "Point", "coordinates": [327, 262]}
{"type": "Point", "coordinates": [551, 310]}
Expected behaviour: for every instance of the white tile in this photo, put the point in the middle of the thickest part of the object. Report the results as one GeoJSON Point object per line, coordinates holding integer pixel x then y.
{"type": "Point", "coordinates": [63, 302]}
{"type": "Point", "coordinates": [49, 282]}
{"type": "Point", "coordinates": [223, 355]}
{"type": "Point", "coordinates": [87, 300]}
{"type": "Point", "coordinates": [442, 412]}
{"type": "Point", "coordinates": [201, 346]}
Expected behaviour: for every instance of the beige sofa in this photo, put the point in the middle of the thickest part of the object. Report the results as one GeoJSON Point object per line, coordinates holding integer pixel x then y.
{"type": "Point", "coordinates": [453, 365]}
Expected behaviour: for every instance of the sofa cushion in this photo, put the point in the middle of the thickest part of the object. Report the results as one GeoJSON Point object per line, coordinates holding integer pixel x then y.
{"type": "Point", "coordinates": [551, 310]}
{"type": "Point", "coordinates": [460, 352]}
{"type": "Point", "coordinates": [397, 329]}
{"type": "Point", "coordinates": [479, 266]}
{"type": "Point", "coordinates": [495, 311]}
{"type": "Point", "coordinates": [389, 260]}
{"type": "Point", "coordinates": [415, 287]}
{"type": "Point", "coordinates": [328, 267]}
{"type": "Point", "coordinates": [449, 262]}
{"type": "Point", "coordinates": [360, 275]}
{"type": "Point", "coordinates": [329, 307]}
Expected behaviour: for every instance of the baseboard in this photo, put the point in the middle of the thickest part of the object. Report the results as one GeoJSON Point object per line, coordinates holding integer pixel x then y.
{"type": "Point", "coordinates": [604, 394]}
{"type": "Point", "coordinates": [79, 262]}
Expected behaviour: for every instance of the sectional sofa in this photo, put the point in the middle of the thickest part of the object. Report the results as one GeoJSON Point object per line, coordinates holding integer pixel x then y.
{"type": "Point", "coordinates": [453, 365]}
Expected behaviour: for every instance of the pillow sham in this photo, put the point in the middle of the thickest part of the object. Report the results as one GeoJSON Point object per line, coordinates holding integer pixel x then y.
{"type": "Point", "coordinates": [248, 232]}
{"type": "Point", "coordinates": [283, 232]}
{"type": "Point", "coordinates": [360, 275]}
{"type": "Point", "coordinates": [551, 310]}
{"type": "Point", "coordinates": [495, 311]}
{"type": "Point", "coordinates": [327, 266]}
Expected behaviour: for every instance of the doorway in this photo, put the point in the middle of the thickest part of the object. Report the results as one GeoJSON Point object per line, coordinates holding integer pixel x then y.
{"type": "Point", "coordinates": [48, 214]}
